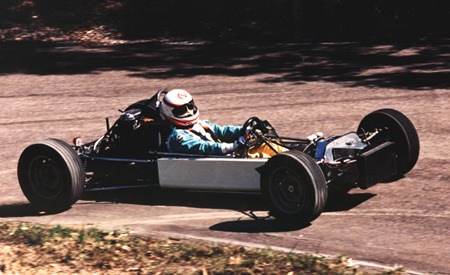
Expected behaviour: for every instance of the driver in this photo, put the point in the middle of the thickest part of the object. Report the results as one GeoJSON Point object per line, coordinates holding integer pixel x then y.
{"type": "Point", "coordinates": [192, 135]}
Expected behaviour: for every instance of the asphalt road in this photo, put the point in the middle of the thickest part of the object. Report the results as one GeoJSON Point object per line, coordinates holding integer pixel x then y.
{"type": "Point", "coordinates": [63, 92]}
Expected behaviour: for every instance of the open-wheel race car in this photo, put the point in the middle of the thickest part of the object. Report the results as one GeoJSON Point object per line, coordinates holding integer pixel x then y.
{"type": "Point", "coordinates": [53, 175]}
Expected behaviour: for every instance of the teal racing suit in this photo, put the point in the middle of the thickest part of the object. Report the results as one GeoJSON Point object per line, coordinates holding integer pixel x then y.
{"type": "Point", "coordinates": [204, 138]}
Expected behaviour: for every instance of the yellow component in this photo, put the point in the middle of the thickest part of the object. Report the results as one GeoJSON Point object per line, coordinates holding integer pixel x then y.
{"type": "Point", "coordinates": [264, 151]}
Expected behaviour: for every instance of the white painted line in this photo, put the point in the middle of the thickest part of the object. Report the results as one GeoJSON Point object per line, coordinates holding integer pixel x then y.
{"type": "Point", "coordinates": [391, 212]}
{"type": "Point", "coordinates": [236, 215]}
{"type": "Point", "coordinates": [275, 248]}
{"type": "Point", "coordinates": [165, 219]}
{"type": "Point", "coordinates": [189, 217]}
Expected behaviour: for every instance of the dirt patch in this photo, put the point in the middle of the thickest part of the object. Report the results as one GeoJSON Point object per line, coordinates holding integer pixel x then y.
{"type": "Point", "coordinates": [31, 248]}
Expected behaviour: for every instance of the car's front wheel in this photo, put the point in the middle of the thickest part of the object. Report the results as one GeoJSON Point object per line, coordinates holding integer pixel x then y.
{"type": "Point", "coordinates": [393, 126]}
{"type": "Point", "coordinates": [51, 175]}
{"type": "Point", "coordinates": [294, 186]}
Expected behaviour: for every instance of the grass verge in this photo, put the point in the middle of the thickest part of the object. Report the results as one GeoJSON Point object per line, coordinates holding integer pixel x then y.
{"type": "Point", "coordinates": [30, 248]}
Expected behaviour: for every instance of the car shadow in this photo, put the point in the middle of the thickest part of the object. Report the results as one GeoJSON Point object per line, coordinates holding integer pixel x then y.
{"type": "Point", "coordinates": [244, 203]}
{"type": "Point", "coordinates": [268, 224]}
{"type": "Point", "coordinates": [18, 210]}
{"type": "Point", "coordinates": [196, 199]}
{"type": "Point", "coordinates": [259, 225]}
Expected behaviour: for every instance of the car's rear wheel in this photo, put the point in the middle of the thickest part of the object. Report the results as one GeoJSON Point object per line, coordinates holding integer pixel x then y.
{"type": "Point", "coordinates": [396, 127]}
{"type": "Point", "coordinates": [294, 187]}
{"type": "Point", "coordinates": [51, 175]}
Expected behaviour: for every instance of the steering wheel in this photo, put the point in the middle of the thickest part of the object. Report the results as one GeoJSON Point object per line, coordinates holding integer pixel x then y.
{"type": "Point", "coordinates": [250, 125]}
{"type": "Point", "coordinates": [252, 131]}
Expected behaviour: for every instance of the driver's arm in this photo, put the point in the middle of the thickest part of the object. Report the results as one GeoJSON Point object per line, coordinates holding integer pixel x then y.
{"type": "Point", "coordinates": [226, 133]}
{"type": "Point", "coordinates": [182, 141]}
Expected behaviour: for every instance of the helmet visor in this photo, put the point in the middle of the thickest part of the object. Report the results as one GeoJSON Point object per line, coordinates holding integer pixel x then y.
{"type": "Point", "coordinates": [185, 110]}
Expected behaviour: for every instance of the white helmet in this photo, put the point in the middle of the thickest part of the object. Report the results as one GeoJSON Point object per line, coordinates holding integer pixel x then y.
{"type": "Point", "coordinates": [178, 107]}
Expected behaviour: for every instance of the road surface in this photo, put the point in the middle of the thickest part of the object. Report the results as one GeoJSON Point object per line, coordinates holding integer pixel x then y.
{"type": "Point", "coordinates": [67, 91]}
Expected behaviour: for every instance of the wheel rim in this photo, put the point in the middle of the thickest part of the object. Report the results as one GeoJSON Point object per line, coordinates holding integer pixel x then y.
{"type": "Point", "coordinates": [45, 177]}
{"type": "Point", "coordinates": [287, 190]}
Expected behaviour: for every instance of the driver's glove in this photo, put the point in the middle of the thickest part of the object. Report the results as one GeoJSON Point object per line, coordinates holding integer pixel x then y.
{"type": "Point", "coordinates": [241, 140]}
{"type": "Point", "coordinates": [228, 148]}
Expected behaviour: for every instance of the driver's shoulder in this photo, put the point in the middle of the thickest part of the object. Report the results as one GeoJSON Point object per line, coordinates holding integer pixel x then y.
{"type": "Point", "coordinates": [176, 132]}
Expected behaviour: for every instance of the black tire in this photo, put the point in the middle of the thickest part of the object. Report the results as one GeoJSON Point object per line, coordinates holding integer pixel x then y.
{"type": "Point", "coordinates": [396, 127]}
{"type": "Point", "coordinates": [51, 175]}
{"type": "Point", "coordinates": [294, 186]}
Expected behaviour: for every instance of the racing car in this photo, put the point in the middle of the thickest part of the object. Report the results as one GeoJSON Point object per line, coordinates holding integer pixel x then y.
{"type": "Point", "coordinates": [295, 183]}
